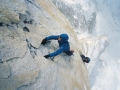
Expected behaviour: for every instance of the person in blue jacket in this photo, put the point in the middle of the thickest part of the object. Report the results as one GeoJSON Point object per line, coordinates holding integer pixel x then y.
{"type": "Point", "coordinates": [63, 45]}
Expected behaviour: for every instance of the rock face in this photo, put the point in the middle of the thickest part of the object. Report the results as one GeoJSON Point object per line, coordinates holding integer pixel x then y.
{"type": "Point", "coordinates": [22, 65]}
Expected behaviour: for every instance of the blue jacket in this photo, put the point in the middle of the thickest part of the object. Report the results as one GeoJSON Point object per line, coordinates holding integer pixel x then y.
{"type": "Point", "coordinates": [63, 44]}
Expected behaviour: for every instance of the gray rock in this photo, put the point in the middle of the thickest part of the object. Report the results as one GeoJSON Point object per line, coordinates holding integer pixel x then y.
{"type": "Point", "coordinates": [10, 10]}
{"type": "Point", "coordinates": [4, 70]}
{"type": "Point", "coordinates": [11, 46]}
{"type": "Point", "coordinates": [23, 71]}
{"type": "Point", "coordinates": [26, 67]}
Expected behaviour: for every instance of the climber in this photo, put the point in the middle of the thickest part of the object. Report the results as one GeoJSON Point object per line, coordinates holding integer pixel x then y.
{"type": "Point", "coordinates": [63, 45]}
{"type": "Point", "coordinates": [85, 59]}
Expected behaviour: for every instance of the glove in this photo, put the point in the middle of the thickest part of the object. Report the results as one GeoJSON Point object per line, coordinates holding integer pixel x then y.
{"type": "Point", "coordinates": [46, 56]}
{"type": "Point", "coordinates": [44, 41]}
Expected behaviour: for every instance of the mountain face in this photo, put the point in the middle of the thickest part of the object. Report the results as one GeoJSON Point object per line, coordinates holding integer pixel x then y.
{"type": "Point", "coordinates": [97, 24]}
{"type": "Point", "coordinates": [23, 26]}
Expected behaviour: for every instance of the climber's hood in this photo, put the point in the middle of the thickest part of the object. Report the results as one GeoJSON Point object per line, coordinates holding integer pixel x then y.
{"type": "Point", "coordinates": [64, 37]}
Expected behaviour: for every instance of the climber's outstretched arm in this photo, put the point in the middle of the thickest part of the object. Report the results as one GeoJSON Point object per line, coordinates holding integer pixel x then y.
{"type": "Point", "coordinates": [53, 37]}
{"type": "Point", "coordinates": [60, 50]}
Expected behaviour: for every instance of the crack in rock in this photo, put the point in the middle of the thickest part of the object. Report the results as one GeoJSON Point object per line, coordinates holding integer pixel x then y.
{"type": "Point", "coordinates": [31, 49]}
{"type": "Point", "coordinates": [26, 29]}
{"type": "Point", "coordinates": [11, 45]}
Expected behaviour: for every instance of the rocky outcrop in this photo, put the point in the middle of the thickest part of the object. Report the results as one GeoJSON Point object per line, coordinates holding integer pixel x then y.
{"type": "Point", "coordinates": [10, 9]}
{"type": "Point", "coordinates": [22, 65]}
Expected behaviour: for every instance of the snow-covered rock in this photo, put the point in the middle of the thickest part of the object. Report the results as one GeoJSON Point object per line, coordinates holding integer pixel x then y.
{"type": "Point", "coordinates": [22, 65]}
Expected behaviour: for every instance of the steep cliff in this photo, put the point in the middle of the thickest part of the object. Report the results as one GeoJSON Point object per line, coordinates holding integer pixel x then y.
{"type": "Point", "coordinates": [23, 25]}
